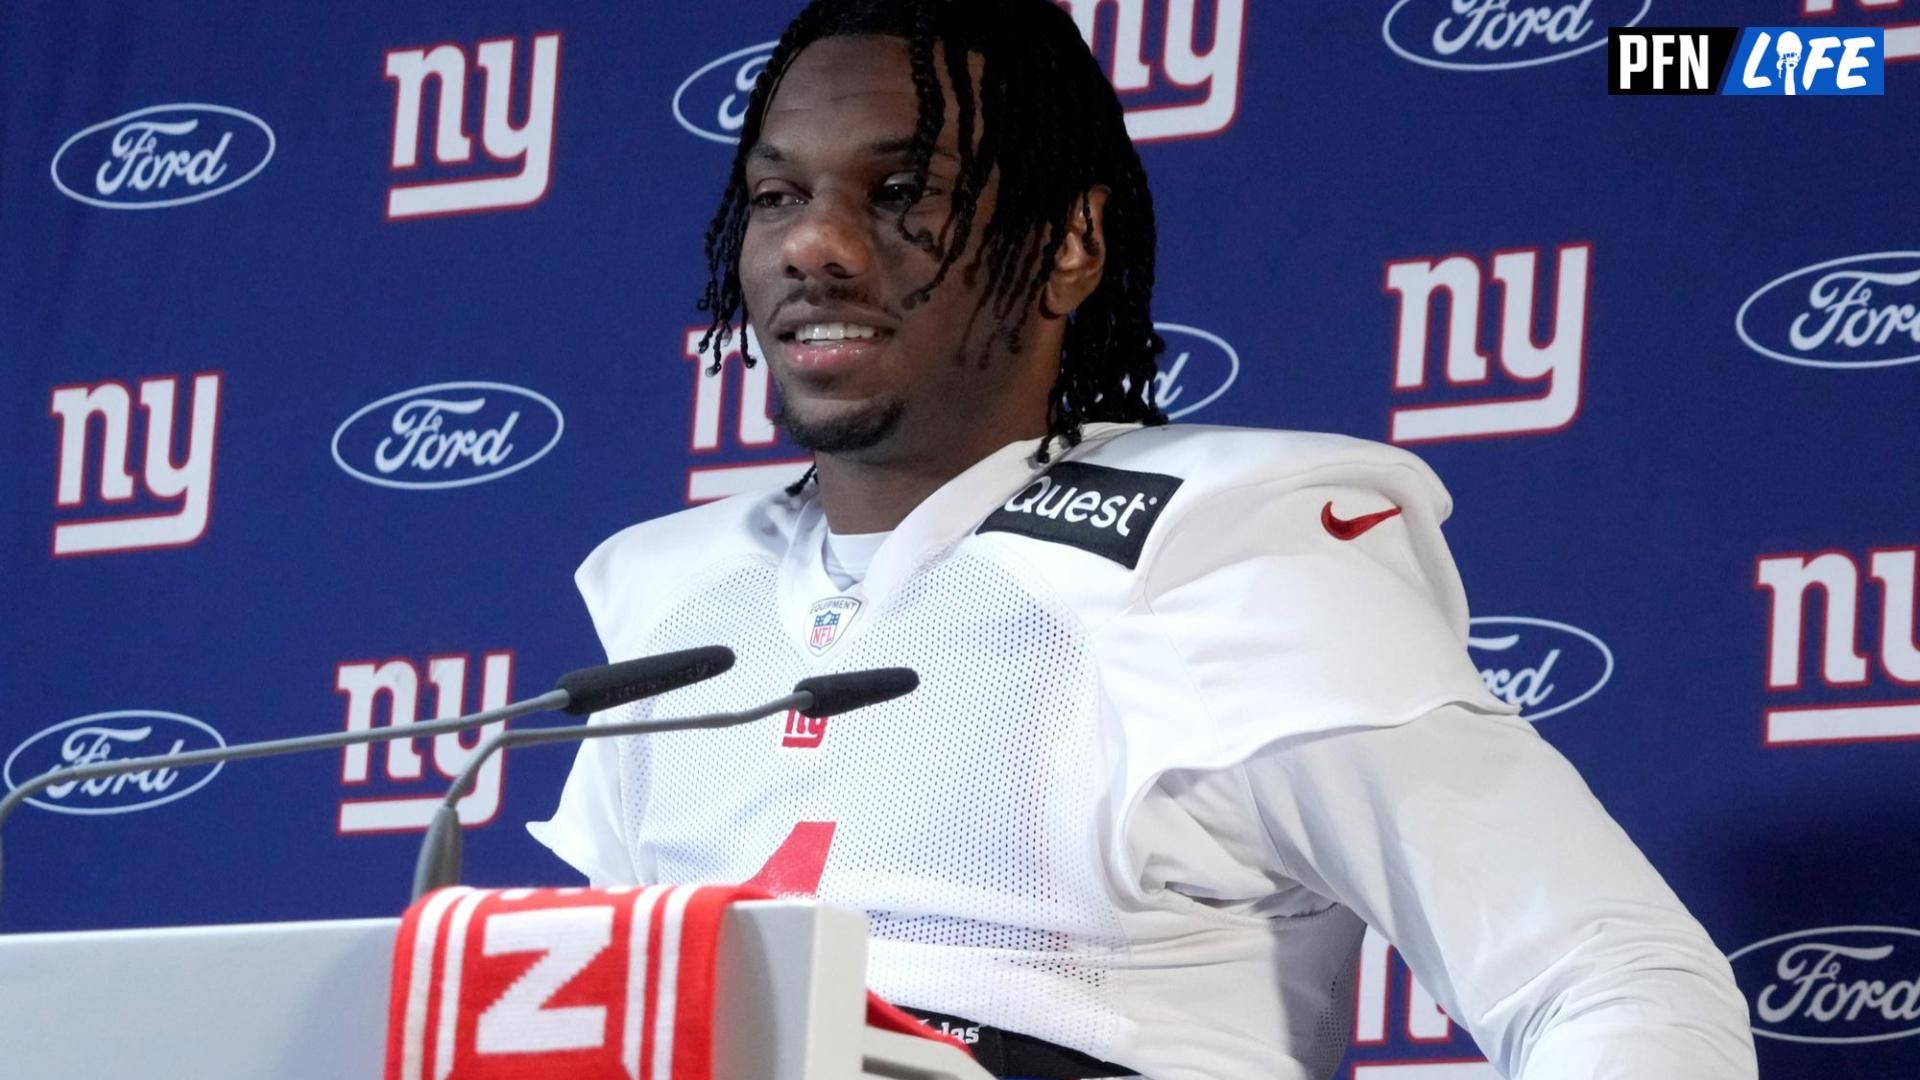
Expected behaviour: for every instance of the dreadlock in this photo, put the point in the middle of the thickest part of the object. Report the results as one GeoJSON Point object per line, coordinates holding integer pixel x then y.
{"type": "Point", "coordinates": [1047, 119]}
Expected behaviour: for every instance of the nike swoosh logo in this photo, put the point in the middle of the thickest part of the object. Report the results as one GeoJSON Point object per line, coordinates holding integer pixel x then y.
{"type": "Point", "coordinates": [1352, 528]}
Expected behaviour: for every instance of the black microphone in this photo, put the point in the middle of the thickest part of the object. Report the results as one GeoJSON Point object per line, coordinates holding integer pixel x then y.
{"type": "Point", "coordinates": [586, 690]}
{"type": "Point", "coordinates": [593, 689]}
{"type": "Point", "coordinates": [836, 694]}
{"type": "Point", "coordinates": [438, 864]}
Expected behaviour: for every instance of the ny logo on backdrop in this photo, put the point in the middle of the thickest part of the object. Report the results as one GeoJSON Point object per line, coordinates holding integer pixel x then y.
{"type": "Point", "coordinates": [1538, 387]}
{"type": "Point", "coordinates": [411, 796]}
{"type": "Point", "coordinates": [175, 495]}
{"type": "Point", "coordinates": [519, 156]}
{"type": "Point", "coordinates": [1902, 38]}
{"type": "Point", "coordinates": [1170, 87]}
{"type": "Point", "coordinates": [1411, 1017]}
{"type": "Point", "coordinates": [1871, 708]}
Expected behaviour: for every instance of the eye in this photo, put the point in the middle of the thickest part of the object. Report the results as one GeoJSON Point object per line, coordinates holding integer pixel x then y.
{"type": "Point", "coordinates": [901, 191]}
{"type": "Point", "coordinates": [774, 199]}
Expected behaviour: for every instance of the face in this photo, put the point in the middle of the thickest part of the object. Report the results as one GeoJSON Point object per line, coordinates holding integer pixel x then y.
{"type": "Point", "coordinates": [826, 274]}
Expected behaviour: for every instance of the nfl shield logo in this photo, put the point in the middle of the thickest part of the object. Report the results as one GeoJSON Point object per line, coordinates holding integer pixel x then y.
{"type": "Point", "coordinates": [827, 619]}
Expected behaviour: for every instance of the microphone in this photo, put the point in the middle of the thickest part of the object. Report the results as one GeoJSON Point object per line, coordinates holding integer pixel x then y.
{"type": "Point", "coordinates": [836, 694]}
{"type": "Point", "coordinates": [578, 692]}
{"type": "Point", "coordinates": [438, 864]}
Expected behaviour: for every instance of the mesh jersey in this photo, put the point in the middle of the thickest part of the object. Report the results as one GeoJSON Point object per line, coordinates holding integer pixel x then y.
{"type": "Point", "coordinates": [1160, 599]}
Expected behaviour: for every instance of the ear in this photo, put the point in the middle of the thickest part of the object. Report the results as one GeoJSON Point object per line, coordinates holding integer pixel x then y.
{"type": "Point", "coordinates": [1082, 259]}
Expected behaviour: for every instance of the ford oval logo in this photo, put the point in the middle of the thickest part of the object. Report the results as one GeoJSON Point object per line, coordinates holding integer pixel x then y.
{"type": "Point", "coordinates": [712, 102]}
{"type": "Point", "coordinates": [1836, 984]}
{"type": "Point", "coordinates": [1496, 35]}
{"type": "Point", "coordinates": [113, 736]}
{"type": "Point", "coordinates": [1195, 370]}
{"type": "Point", "coordinates": [1862, 311]}
{"type": "Point", "coordinates": [163, 155]}
{"type": "Point", "coordinates": [1541, 666]}
{"type": "Point", "coordinates": [447, 435]}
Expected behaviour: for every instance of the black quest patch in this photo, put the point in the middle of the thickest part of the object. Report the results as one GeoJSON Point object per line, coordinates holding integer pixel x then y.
{"type": "Point", "coordinates": [1106, 511]}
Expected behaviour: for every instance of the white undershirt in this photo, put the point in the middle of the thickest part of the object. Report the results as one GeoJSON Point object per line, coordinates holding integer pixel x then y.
{"type": "Point", "coordinates": [847, 556]}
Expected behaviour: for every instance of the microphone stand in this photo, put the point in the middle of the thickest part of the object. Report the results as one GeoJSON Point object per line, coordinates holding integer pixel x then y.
{"type": "Point", "coordinates": [438, 865]}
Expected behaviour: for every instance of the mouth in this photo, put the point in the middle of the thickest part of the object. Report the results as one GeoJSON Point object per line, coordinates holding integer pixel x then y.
{"type": "Point", "coordinates": [828, 347]}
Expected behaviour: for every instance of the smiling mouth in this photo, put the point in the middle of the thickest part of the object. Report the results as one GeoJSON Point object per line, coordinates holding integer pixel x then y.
{"type": "Point", "coordinates": [828, 333]}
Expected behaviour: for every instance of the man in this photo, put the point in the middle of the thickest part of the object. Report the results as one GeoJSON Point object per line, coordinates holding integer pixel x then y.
{"type": "Point", "coordinates": [1195, 703]}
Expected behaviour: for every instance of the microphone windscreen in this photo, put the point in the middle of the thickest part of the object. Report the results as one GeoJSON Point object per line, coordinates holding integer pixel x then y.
{"type": "Point", "coordinates": [592, 689]}
{"type": "Point", "coordinates": [836, 694]}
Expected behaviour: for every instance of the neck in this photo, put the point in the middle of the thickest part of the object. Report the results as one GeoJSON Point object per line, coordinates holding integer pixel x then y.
{"type": "Point", "coordinates": [876, 496]}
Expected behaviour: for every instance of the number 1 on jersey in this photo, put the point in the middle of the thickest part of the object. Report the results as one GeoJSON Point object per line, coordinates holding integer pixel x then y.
{"type": "Point", "coordinates": [795, 866]}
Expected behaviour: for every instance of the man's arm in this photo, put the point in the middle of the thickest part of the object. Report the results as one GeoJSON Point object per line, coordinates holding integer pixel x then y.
{"type": "Point", "coordinates": [1478, 851]}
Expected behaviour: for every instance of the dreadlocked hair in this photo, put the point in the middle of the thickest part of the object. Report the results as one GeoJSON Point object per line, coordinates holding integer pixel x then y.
{"type": "Point", "coordinates": [1042, 114]}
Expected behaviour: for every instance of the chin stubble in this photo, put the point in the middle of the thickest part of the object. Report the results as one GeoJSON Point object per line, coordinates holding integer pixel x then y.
{"type": "Point", "coordinates": [849, 432]}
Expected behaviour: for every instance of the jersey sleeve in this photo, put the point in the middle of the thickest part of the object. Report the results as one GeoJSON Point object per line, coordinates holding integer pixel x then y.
{"type": "Point", "coordinates": [585, 829]}
{"type": "Point", "coordinates": [1478, 851]}
{"type": "Point", "coordinates": [1277, 609]}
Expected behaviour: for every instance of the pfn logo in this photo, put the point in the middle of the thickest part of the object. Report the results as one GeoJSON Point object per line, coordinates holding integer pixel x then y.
{"type": "Point", "coordinates": [1775, 60]}
{"type": "Point", "coordinates": [397, 683]}
{"type": "Point", "coordinates": [1902, 39]}
{"type": "Point", "coordinates": [528, 144]}
{"type": "Point", "coordinates": [187, 485]}
{"type": "Point", "coordinates": [1668, 60]}
{"type": "Point", "coordinates": [1841, 665]}
{"type": "Point", "coordinates": [804, 733]}
{"type": "Point", "coordinates": [1548, 375]}
{"type": "Point", "coordinates": [753, 429]}
{"type": "Point", "coordinates": [1387, 1025]}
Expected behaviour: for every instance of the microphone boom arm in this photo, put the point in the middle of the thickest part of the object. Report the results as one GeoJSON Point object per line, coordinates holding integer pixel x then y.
{"type": "Point", "coordinates": [439, 862]}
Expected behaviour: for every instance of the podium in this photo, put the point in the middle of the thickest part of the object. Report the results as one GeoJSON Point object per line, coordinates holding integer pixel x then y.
{"type": "Point", "coordinates": [308, 1001]}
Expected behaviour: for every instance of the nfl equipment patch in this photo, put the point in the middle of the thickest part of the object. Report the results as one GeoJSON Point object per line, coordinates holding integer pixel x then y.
{"type": "Point", "coordinates": [827, 619]}
{"type": "Point", "coordinates": [1108, 512]}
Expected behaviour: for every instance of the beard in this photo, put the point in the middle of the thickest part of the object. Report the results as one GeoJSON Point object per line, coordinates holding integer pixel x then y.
{"type": "Point", "coordinates": [846, 431]}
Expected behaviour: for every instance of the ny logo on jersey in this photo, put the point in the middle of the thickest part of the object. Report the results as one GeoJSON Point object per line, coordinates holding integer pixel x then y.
{"type": "Point", "coordinates": [1844, 619]}
{"type": "Point", "coordinates": [529, 144]}
{"type": "Point", "coordinates": [188, 485]}
{"type": "Point", "coordinates": [1548, 377]}
{"type": "Point", "coordinates": [1902, 38]}
{"type": "Point", "coordinates": [804, 732]}
{"type": "Point", "coordinates": [398, 682]}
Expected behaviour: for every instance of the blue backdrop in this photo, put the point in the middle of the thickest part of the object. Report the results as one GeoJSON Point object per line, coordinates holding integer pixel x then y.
{"type": "Point", "coordinates": [334, 337]}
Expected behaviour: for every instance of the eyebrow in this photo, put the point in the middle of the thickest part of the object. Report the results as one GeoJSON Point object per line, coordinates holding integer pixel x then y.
{"type": "Point", "coordinates": [889, 147]}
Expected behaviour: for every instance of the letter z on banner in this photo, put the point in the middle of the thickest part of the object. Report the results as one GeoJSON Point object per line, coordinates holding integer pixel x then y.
{"type": "Point", "coordinates": [507, 984]}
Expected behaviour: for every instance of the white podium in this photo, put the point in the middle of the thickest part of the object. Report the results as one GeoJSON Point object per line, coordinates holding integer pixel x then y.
{"type": "Point", "coordinates": [308, 1001]}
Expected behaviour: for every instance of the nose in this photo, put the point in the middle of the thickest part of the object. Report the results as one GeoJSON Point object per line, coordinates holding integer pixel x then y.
{"type": "Point", "coordinates": [829, 240]}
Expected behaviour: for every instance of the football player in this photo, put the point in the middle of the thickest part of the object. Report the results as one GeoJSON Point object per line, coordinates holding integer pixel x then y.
{"type": "Point", "coordinates": [1195, 703]}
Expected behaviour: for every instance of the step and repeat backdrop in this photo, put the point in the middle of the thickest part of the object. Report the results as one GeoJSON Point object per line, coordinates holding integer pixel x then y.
{"type": "Point", "coordinates": [333, 336]}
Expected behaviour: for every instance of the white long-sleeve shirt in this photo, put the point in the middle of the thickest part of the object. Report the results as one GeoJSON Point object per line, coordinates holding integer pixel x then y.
{"type": "Point", "coordinates": [1195, 709]}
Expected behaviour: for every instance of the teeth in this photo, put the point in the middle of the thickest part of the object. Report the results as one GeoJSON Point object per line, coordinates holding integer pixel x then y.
{"type": "Point", "coordinates": [834, 332]}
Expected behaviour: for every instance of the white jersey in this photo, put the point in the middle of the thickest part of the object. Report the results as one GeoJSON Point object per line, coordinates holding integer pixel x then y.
{"type": "Point", "coordinates": [1195, 706]}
